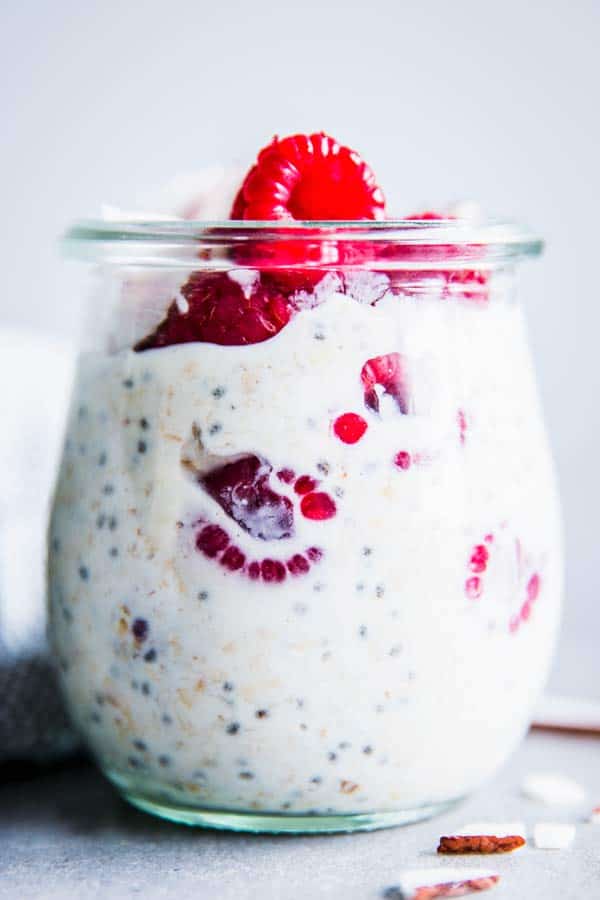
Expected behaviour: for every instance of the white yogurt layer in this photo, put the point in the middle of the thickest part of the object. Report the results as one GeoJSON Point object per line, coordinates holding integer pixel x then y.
{"type": "Point", "coordinates": [382, 678]}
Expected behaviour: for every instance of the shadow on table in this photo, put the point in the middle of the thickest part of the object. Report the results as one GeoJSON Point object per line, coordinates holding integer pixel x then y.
{"type": "Point", "coordinates": [75, 798]}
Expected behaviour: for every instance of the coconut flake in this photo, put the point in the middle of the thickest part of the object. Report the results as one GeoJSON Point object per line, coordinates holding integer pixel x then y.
{"type": "Point", "coordinates": [553, 789]}
{"type": "Point", "coordinates": [553, 835]}
{"type": "Point", "coordinates": [493, 829]}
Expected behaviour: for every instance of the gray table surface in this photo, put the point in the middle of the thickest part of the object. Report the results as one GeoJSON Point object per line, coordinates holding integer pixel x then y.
{"type": "Point", "coordinates": [65, 834]}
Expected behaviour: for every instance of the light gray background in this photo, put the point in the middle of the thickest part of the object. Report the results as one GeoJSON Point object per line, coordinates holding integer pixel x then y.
{"type": "Point", "coordinates": [491, 101]}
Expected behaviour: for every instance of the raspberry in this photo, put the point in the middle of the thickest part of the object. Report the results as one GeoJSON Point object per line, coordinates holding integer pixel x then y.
{"type": "Point", "coordinates": [308, 177]}
{"type": "Point", "coordinates": [221, 311]}
{"type": "Point", "coordinates": [388, 372]}
{"type": "Point", "coordinates": [314, 554]}
{"type": "Point", "coordinates": [349, 428]}
{"type": "Point", "coordinates": [242, 490]}
{"type": "Point", "coordinates": [318, 506]}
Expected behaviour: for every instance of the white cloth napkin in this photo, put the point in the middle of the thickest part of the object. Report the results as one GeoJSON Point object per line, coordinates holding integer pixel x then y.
{"type": "Point", "coordinates": [35, 374]}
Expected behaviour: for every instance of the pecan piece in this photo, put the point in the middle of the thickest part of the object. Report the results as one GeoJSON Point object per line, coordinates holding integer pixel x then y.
{"type": "Point", "coordinates": [480, 843]}
{"type": "Point", "coordinates": [428, 884]}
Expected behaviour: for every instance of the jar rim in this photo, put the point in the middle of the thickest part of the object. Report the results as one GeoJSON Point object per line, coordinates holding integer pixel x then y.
{"type": "Point", "coordinates": [130, 241]}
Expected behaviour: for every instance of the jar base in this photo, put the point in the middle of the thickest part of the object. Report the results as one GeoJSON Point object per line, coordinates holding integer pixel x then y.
{"type": "Point", "coordinates": [284, 823]}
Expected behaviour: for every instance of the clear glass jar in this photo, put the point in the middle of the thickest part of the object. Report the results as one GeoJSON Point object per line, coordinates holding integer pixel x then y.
{"type": "Point", "coordinates": [310, 582]}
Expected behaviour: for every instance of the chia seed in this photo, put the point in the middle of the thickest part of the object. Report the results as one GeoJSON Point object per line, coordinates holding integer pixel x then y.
{"type": "Point", "coordinates": [338, 491]}
{"type": "Point", "coordinates": [233, 728]}
{"type": "Point", "coordinates": [112, 523]}
{"type": "Point", "coordinates": [166, 719]}
{"type": "Point", "coordinates": [367, 750]}
{"type": "Point", "coordinates": [218, 391]}
{"type": "Point", "coordinates": [108, 489]}
{"type": "Point", "coordinates": [164, 761]}
{"type": "Point", "coordinates": [146, 689]}
{"type": "Point", "coordinates": [150, 656]}
{"type": "Point", "coordinates": [144, 424]}
{"type": "Point", "coordinates": [319, 336]}
{"type": "Point", "coordinates": [102, 459]}
{"type": "Point", "coordinates": [140, 629]}
{"type": "Point", "coordinates": [128, 383]}
{"type": "Point", "coordinates": [215, 428]}
{"type": "Point", "coordinates": [114, 552]}
{"type": "Point", "coordinates": [261, 713]}
{"type": "Point", "coordinates": [140, 745]}
{"type": "Point", "coordinates": [323, 467]}
{"type": "Point", "coordinates": [95, 717]}
{"type": "Point", "coordinates": [227, 686]}
{"type": "Point", "coordinates": [84, 573]}
{"type": "Point", "coordinates": [142, 447]}
{"type": "Point", "coordinates": [362, 631]}
{"type": "Point", "coordinates": [101, 521]}
{"type": "Point", "coordinates": [379, 591]}
{"type": "Point", "coordinates": [316, 780]}
{"type": "Point", "coordinates": [247, 776]}
{"type": "Point", "coordinates": [331, 756]}
{"type": "Point", "coordinates": [134, 762]}
{"type": "Point", "coordinates": [360, 586]}
{"type": "Point", "coordinates": [203, 595]}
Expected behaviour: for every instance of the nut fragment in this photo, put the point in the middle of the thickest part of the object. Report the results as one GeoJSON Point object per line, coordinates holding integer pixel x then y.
{"type": "Point", "coordinates": [428, 884]}
{"type": "Point", "coordinates": [480, 843]}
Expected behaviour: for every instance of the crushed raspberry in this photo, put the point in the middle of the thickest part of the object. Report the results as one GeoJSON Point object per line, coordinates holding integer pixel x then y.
{"type": "Point", "coordinates": [314, 554]}
{"type": "Point", "coordinates": [473, 587]}
{"type": "Point", "coordinates": [233, 559]}
{"type": "Point", "coordinates": [429, 215]}
{"type": "Point", "coordinates": [489, 538]}
{"type": "Point", "coordinates": [242, 490]}
{"type": "Point", "coordinates": [308, 177]}
{"type": "Point", "coordinates": [462, 425]}
{"type": "Point", "coordinates": [212, 540]}
{"type": "Point", "coordinates": [318, 506]}
{"type": "Point", "coordinates": [479, 559]}
{"type": "Point", "coordinates": [254, 571]}
{"type": "Point", "coordinates": [305, 484]}
{"type": "Point", "coordinates": [533, 588]}
{"type": "Point", "coordinates": [349, 428]}
{"type": "Point", "coordinates": [286, 475]}
{"type": "Point", "coordinates": [388, 372]}
{"type": "Point", "coordinates": [402, 459]}
{"type": "Point", "coordinates": [298, 565]}
{"type": "Point", "coordinates": [221, 311]}
{"type": "Point", "coordinates": [272, 570]}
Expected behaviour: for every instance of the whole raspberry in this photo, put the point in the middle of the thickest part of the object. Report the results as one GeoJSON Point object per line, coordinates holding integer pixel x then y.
{"type": "Point", "coordinates": [311, 178]}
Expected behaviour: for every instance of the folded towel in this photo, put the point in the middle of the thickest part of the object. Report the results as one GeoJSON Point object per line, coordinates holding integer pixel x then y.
{"type": "Point", "coordinates": [36, 374]}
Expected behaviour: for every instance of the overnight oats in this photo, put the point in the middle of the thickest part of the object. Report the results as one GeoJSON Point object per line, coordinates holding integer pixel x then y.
{"type": "Point", "coordinates": [304, 559]}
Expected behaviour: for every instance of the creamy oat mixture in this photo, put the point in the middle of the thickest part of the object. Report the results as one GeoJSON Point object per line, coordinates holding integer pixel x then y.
{"type": "Point", "coordinates": [252, 613]}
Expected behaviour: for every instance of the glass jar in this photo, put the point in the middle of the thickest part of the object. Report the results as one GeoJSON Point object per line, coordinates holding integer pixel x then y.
{"type": "Point", "coordinates": [305, 556]}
